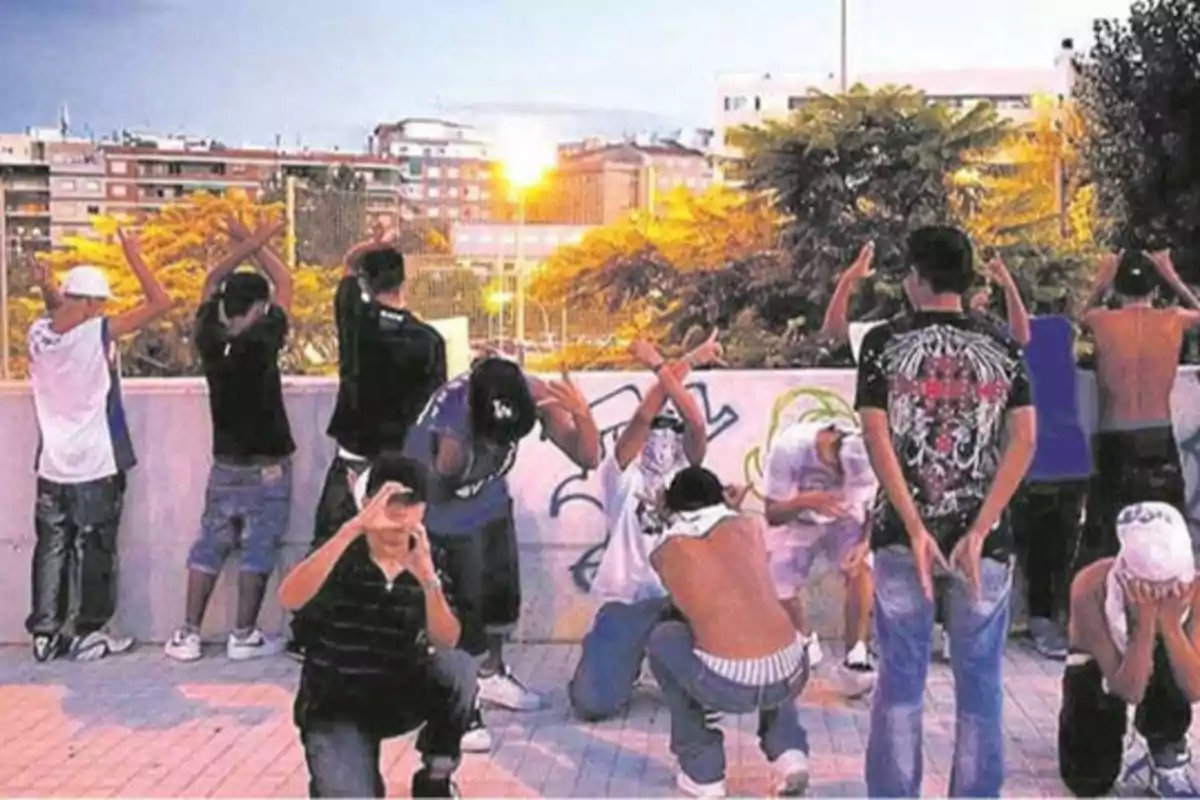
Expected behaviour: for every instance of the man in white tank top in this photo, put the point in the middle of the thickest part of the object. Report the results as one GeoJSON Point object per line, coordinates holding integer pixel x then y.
{"type": "Point", "coordinates": [83, 455]}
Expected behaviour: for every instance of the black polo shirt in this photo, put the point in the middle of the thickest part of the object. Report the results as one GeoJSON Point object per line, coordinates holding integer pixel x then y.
{"type": "Point", "coordinates": [367, 652]}
{"type": "Point", "coordinates": [245, 388]}
{"type": "Point", "coordinates": [390, 363]}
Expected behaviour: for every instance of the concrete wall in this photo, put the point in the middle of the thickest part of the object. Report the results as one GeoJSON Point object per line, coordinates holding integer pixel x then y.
{"type": "Point", "coordinates": [558, 510]}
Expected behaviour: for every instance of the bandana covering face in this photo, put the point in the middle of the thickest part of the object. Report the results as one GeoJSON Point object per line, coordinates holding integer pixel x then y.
{"type": "Point", "coordinates": [1156, 547]}
{"type": "Point", "coordinates": [662, 455]}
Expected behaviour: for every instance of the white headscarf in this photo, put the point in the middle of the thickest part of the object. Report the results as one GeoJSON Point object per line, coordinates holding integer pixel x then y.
{"type": "Point", "coordinates": [1156, 547]}
{"type": "Point", "coordinates": [662, 456]}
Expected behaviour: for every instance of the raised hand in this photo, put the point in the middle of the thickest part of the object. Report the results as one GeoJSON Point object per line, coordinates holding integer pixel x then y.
{"type": "Point", "coordinates": [1163, 263]}
{"type": "Point", "coordinates": [131, 244]}
{"type": "Point", "coordinates": [236, 229]}
{"type": "Point", "coordinates": [374, 514]}
{"type": "Point", "coordinates": [1107, 271]}
{"type": "Point", "coordinates": [420, 556]}
{"type": "Point", "coordinates": [645, 353]}
{"type": "Point", "coordinates": [998, 273]}
{"type": "Point", "coordinates": [709, 353]}
{"type": "Point", "coordinates": [565, 394]}
{"type": "Point", "coordinates": [862, 269]}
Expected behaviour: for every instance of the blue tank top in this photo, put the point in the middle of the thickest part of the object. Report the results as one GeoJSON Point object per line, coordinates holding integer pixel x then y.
{"type": "Point", "coordinates": [481, 494]}
{"type": "Point", "coordinates": [1063, 452]}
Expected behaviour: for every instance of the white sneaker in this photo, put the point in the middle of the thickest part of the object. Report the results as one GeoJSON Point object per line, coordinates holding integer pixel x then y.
{"type": "Point", "coordinates": [941, 643]}
{"type": "Point", "coordinates": [100, 644]}
{"type": "Point", "coordinates": [856, 675]}
{"type": "Point", "coordinates": [184, 645]}
{"type": "Point", "coordinates": [253, 646]}
{"type": "Point", "coordinates": [812, 647]}
{"type": "Point", "coordinates": [477, 739]}
{"type": "Point", "coordinates": [791, 769]}
{"type": "Point", "coordinates": [693, 789]}
{"type": "Point", "coordinates": [504, 690]}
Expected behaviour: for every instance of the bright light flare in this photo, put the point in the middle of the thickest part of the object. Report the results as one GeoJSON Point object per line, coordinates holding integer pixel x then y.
{"type": "Point", "coordinates": [526, 151]}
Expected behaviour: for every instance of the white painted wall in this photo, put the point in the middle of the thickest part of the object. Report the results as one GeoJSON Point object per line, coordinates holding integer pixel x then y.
{"type": "Point", "coordinates": [558, 513]}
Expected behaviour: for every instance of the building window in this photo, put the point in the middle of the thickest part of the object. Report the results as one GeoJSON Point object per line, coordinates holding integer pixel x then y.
{"type": "Point", "coordinates": [434, 211]}
{"type": "Point", "coordinates": [413, 168]}
{"type": "Point", "coordinates": [795, 103]}
{"type": "Point", "coordinates": [92, 186]}
{"type": "Point", "coordinates": [452, 191]}
{"type": "Point", "coordinates": [92, 210]}
{"type": "Point", "coordinates": [434, 191]}
{"type": "Point", "coordinates": [119, 190]}
{"type": "Point", "coordinates": [118, 167]}
{"type": "Point", "coordinates": [427, 152]}
{"type": "Point", "coordinates": [66, 185]}
{"type": "Point", "coordinates": [435, 172]}
{"type": "Point", "coordinates": [757, 103]}
{"type": "Point", "coordinates": [452, 173]}
{"type": "Point", "coordinates": [452, 213]}
{"type": "Point", "coordinates": [472, 192]}
{"type": "Point", "coordinates": [735, 103]}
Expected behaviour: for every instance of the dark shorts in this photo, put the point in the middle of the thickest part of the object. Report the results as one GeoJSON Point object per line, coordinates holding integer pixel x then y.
{"type": "Point", "coordinates": [1132, 466]}
{"type": "Point", "coordinates": [484, 567]}
{"type": "Point", "coordinates": [245, 507]}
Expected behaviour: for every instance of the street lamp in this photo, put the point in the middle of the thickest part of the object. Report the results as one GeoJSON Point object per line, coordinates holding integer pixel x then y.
{"type": "Point", "coordinates": [526, 154]}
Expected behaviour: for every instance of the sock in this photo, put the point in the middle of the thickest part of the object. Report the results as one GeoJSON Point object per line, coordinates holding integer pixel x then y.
{"type": "Point", "coordinates": [242, 634]}
{"type": "Point", "coordinates": [190, 628]}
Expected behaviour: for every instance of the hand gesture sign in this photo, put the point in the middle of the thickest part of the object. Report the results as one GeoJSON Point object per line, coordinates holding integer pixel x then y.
{"type": "Point", "coordinates": [998, 273]}
{"type": "Point", "coordinates": [38, 271]}
{"type": "Point", "coordinates": [967, 557]}
{"type": "Point", "coordinates": [711, 352]}
{"type": "Point", "coordinates": [564, 394]}
{"type": "Point", "coordinates": [645, 353]}
{"type": "Point", "coordinates": [420, 557]}
{"type": "Point", "coordinates": [861, 269]}
{"type": "Point", "coordinates": [236, 229]}
{"type": "Point", "coordinates": [927, 553]}
{"type": "Point", "coordinates": [374, 514]}
{"type": "Point", "coordinates": [1107, 272]}
{"type": "Point", "coordinates": [131, 244]}
{"type": "Point", "coordinates": [736, 495]}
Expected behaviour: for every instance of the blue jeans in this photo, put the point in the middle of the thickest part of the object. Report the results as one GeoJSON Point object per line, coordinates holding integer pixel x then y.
{"type": "Point", "coordinates": [904, 630]}
{"type": "Point", "coordinates": [244, 506]}
{"type": "Point", "coordinates": [611, 657]}
{"type": "Point", "coordinates": [692, 689]}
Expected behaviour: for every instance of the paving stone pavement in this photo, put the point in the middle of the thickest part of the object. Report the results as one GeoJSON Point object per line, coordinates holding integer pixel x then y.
{"type": "Point", "coordinates": [144, 726]}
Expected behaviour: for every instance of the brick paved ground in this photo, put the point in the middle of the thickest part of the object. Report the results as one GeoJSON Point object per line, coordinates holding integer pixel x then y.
{"type": "Point", "coordinates": [144, 726]}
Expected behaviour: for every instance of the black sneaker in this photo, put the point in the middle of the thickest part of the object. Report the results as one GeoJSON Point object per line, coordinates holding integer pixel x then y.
{"type": "Point", "coordinates": [294, 650]}
{"type": "Point", "coordinates": [424, 786]}
{"type": "Point", "coordinates": [47, 647]}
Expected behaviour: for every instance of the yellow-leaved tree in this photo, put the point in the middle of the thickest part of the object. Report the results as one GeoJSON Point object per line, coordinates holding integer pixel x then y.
{"type": "Point", "coordinates": [179, 243]}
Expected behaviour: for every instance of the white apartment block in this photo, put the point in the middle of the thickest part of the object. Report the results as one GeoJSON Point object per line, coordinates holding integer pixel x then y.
{"type": "Point", "coordinates": [751, 99]}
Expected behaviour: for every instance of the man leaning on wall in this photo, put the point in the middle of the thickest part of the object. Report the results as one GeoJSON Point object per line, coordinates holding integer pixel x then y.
{"type": "Point", "coordinates": [83, 456]}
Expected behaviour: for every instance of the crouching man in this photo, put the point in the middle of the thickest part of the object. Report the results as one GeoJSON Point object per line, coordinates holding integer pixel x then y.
{"type": "Point", "coordinates": [1133, 641]}
{"type": "Point", "coordinates": [737, 652]}
{"type": "Point", "coordinates": [380, 634]}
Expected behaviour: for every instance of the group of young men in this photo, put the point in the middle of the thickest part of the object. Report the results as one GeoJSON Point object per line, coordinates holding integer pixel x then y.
{"type": "Point", "coordinates": [412, 584]}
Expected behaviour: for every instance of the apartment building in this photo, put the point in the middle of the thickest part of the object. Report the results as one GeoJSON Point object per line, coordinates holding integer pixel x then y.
{"type": "Point", "coordinates": [146, 174]}
{"type": "Point", "coordinates": [24, 194]}
{"type": "Point", "coordinates": [596, 182]}
{"type": "Point", "coordinates": [751, 99]}
{"type": "Point", "coordinates": [448, 168]}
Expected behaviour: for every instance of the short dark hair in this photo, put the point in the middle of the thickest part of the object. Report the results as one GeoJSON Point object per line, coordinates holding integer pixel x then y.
{"type": "Point", "coordinates": [393, 467]}
{"type": "Point", "coordinates": [497, 383]}
{"type": "Point", "coordinates": [694, 488]}
{"type": "Point", "coordinates": [942, 257]}
{"type": "Point", "coordinates": [241, 290]}
{"type": "Point", "coordinates": [383, 270]}
{"type": "Point", "coordinates": [1136, 276]}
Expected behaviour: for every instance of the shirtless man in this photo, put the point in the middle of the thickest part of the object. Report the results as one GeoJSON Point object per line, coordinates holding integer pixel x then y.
{"type": "Point", "coordinates": [1134, 641]}
{"type": "Point", "coordinates": [1137, 351]}
{"type": "Point", "coordinates": [737, 652]}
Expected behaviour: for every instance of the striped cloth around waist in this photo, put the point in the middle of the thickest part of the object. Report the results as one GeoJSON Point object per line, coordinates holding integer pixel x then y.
{"type": "Point", "coordinates": [780, 666]}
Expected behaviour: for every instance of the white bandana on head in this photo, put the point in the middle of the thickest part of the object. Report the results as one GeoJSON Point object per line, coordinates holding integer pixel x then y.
{"type": "Point", "coordinates": [695, 524]}
{"type": "Point", "coordinates": [1156, 547]}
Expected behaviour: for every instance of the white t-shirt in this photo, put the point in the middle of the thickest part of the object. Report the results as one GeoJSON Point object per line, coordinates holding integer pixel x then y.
{"type": "Point", "coordinates": [625, 573]}
{"type": "Point", "coordinates": [793, 466]}
{"type": "Point", "coordinates": [77, 400]}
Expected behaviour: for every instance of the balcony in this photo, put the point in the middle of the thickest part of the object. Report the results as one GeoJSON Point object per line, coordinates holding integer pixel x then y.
{"type": "Point", "coordinates": [26, 185]}
{"type": "Point", "coordinates": [27, 211]}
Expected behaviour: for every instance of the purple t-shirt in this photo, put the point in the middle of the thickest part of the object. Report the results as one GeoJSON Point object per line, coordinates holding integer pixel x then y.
{"type": "Point", "coordinates": [481, 494]}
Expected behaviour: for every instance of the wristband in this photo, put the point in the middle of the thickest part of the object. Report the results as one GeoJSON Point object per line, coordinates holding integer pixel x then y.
{"type": "Point", "coordinates": [431, 585]}
{"type": "Point", "coordinates": [657, 368]}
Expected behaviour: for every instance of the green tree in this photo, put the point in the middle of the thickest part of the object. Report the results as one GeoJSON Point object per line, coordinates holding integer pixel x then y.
{"type": "Point", "coordinates": [1139, 90]}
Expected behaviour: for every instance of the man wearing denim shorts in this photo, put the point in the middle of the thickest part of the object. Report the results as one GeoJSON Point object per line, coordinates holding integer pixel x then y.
{"type": "Point", "coordinates": [239, 335]}
{"type": "Point", "coordinates": [819, 485]}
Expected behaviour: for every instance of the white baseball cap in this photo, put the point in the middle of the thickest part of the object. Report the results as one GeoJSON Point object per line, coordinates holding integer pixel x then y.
{"type": "Point", "coordinates": [88, 282]}
{"type": "Point", "coordinates": [1156, 544]}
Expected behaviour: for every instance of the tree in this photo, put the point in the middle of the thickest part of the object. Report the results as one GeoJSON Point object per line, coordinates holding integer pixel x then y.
{"type": "Point", "coordinates": [1139, 90]}
{"type": "Point", "coordinates": [179, 242]}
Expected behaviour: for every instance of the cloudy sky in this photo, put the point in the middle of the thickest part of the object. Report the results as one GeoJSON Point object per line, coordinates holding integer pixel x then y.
{"type": "Point", "coordinates": [324, 71]}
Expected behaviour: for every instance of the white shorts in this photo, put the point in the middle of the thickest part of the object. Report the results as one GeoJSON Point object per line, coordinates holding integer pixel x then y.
{"type": "Point", "coordinates": [792, 555]}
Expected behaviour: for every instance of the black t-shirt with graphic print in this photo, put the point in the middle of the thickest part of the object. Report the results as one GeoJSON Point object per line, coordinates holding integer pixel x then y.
{"type": "Point", "coordinates": [946, 381]}
{"type": "Point", "coordinates": [245, 390]}
{"type": "Point", "coordinates": [390, 364]}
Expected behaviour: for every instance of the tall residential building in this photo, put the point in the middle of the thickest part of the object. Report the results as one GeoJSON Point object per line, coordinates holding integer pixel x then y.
{"type": "Point", "coordinates": [596, 183]}
{"type": "Point", "coordinates": [751, 99]}
{"type": "Point", "coordinates": [449, 169]}
{"type": "Point", "coordinates": [25, 193]}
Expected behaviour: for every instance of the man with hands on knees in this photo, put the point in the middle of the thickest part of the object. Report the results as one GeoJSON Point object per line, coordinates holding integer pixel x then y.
{"type": "Point", "coordinates": [1133, 641]}
{"type": "Point", "coordinates": [381, 658]}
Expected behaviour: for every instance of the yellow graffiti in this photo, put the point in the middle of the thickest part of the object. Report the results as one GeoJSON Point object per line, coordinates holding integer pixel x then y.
{"type": "Point", "coordinates": [821, 405]}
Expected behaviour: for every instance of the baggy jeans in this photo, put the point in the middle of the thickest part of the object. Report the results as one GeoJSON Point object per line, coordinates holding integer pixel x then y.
{"type": "Point", "coordinates": [611, 657]}
{"type": "Point", "coordinates": [904, 628]}
{"type": "Point", "coordinates": [75, 558]}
